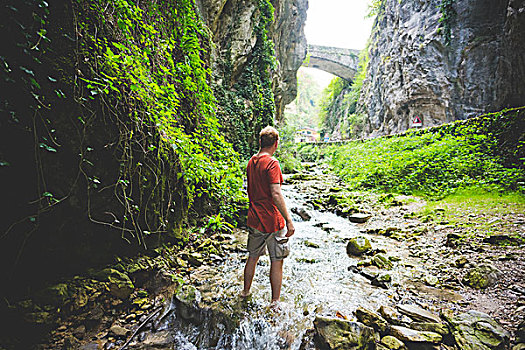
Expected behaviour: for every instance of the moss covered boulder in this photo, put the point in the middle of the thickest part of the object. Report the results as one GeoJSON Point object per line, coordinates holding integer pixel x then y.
{"type": "Point", "coordinates": [120, 284]}
{"type": "Point", "coordinates": [358, 246]}
{"type": "Point", "coordinates": [481, 276]}
{"type": "Point", "coordinates": [475, 330]}
{"type": "Point", "coordinates": [336, 333]}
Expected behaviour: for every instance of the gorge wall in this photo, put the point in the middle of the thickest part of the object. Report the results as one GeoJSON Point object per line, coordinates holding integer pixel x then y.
{"type": "Point", "coordinates": [442, 60]}
{"type": "Point", "coordinates": [112, 122]}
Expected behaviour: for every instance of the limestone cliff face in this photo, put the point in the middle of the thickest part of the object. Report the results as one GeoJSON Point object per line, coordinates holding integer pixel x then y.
{"type": "Point", "coordinates": [233, 24]}
{"type": "Point", "coordinates": [413, 71]}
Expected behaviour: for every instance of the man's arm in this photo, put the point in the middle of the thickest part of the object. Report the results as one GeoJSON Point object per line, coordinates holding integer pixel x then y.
{"type": "Point", "coordinates": [278, 200]}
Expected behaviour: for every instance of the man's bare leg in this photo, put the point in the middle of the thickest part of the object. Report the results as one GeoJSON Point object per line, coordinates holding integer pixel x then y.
{"type": "Point", "coordinates": [249, 272]}
{"type": "Point", "coordinates": [276, 279]}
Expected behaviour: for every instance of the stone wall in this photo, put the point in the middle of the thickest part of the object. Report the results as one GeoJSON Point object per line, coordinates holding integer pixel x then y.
{"type": "Point", "coordinates": [413, 71]}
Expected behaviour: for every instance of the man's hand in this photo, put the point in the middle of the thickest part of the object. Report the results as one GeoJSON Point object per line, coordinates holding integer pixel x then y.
{"type": "Point", "coordinates": [290, 229]}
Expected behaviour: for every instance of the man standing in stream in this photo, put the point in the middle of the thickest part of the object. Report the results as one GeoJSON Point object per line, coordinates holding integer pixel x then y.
{"type": "Point", "coordinates": [267, 214]}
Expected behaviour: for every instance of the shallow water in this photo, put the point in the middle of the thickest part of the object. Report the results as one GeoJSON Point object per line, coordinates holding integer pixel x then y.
{"type": "Point", "coordinates": [315, 281]}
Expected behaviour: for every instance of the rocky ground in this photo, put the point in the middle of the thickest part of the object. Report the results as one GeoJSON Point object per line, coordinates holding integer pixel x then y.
{"type": "Point", "coordinates": [471, 259]}
{"type": "Point", "coordinates": [458, 268]}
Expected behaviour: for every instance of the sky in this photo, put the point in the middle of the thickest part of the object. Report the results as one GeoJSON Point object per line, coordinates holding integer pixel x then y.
{"type": "Point", "coordinates": [338, 23]}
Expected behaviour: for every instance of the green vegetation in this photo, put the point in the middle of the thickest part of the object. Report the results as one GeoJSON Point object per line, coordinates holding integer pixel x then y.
{"type": "Point", "coordinates": [486, 152]}
{"type": "Point", "coordinates": [304, 110]}
{"type": "Point", "coordinates": [448, 14]}
{"type": "Point", "coordinates": [248, 106]}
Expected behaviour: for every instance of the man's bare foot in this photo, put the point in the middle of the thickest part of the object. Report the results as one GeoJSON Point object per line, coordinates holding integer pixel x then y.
{"type": "Point", "coordinates": [245, 295]}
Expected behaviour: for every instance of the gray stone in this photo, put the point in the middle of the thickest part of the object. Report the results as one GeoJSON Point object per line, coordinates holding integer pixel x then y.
{"type": "Point", "coordinates": [358, 246]}
{"type": "Point", "coordinates": [371, 319]}
{"type": "Point", "coordinates": [118, 331]}
{"type": "Point", "coordinates": [475, 330]}
{"type": "Point", "coordinates": [359, 218]}
{"type": "Point", "coordinates": [382, 280]}
{"type": "Point", "coordinates": [382, 262]}
{"type": "Point", "coordinates": [417, 313]}
{"type": "Point", "coordinates": [393, 316]}
{"type": "Point", "coordinates": [481, 276]}
{"type": "Point", "coordinates": [411, 335]}
{"type": "Point", "coordinates": [439, 328]}
{"type": "Point", "coordinates": [335, 333]}
{"type": "Point", "coordinates": [393, 343]}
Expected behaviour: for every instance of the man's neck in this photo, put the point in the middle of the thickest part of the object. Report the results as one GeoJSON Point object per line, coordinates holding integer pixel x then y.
{"type": "Point", "coordinates": [268, 151]}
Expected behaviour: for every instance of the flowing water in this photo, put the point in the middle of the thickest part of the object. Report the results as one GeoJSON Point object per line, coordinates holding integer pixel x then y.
{"type": "Point", "coordinates": [315, 281]}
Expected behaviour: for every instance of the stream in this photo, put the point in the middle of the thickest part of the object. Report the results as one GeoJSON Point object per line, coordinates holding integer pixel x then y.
{"type": "Point", "coordinates": [316, 281]}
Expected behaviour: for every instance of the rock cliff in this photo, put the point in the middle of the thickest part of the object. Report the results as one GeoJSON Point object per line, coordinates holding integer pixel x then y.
{"type": "Point", "coordinates": [443, 60]}
{"type": "Point", "coordinates": [233, 24]}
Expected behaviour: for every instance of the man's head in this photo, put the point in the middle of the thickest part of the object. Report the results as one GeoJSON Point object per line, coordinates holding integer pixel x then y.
{"type": "Point", "coordinates": [268, 136]}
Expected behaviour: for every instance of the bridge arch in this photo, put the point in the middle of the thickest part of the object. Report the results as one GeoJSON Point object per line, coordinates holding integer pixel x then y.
{"type": "Point", "coordinates": [337, 61]}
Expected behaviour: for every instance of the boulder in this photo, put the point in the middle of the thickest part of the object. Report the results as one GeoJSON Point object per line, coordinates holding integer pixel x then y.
{"type": "Point", "coordinates": [393, 343]}
{"type": "Point", "coordinates": [520, 332]}
{"type": "Point", "coordinates": [417, 313]}
{"type": "Point", "coordinates": [439, 328]}
{"type": "Point", "coordinates": [382, 280]}
{"type": "Point", "coordinates": [302, 213]}
{"type": "Point", "coordinates": [358, 246]}
{"type": "Point", "coordinates": [411, 335]}
{"type": "Point", "coordinates": [482, 276]}
{"type": "Point", "coordinates": [382, 262]}
{"type": "Point", "coordinates": [359, 218]}
{"type": "Point", "coordinates": [393, 316]}
{"type": "Point", "coordinates": [371, 319]}
{"type": "Point", "coordinates": [475, 330]}
{"type": "Point", "coordinates": [336, 333]}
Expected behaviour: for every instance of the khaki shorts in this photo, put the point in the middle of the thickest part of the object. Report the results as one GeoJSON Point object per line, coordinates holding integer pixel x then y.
{"type": "Point", "coordinates": [276, 242]}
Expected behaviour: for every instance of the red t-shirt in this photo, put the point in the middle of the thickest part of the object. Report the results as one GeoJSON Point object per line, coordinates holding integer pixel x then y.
{"type": "Point", "coordinates": [263, 215]}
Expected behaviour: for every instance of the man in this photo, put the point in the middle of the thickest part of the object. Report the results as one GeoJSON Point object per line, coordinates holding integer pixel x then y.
{"type": "Point", "coordinates": [267, 214]}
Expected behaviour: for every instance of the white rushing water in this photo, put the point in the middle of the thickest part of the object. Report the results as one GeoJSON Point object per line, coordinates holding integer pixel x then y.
{"type": "Point", "coordinates": [315, 281]}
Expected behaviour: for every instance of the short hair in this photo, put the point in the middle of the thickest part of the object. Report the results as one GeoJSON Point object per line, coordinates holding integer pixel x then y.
{"type": "Point", "coordinates": [268, 136]}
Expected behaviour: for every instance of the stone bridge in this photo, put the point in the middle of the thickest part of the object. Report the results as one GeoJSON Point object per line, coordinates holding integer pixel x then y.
{"type": "Point", "coordinates": [341, 62]}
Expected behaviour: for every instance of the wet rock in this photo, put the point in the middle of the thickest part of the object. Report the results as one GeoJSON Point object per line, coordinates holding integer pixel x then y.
{"type": "Point", "coordinates": [371, 319]}
{"type": "Point", "coordinates": [393, 316]}
{"type": "Point", "coordinates": [439, 328]}
{"type": "Point", "coordinates": [335, 333]}
{"type": "Point", "coordinates": [368, 274]}
{"type": "Point", "coordinates": [302, 213]}
{"type": "Point", "coordinates": [90, 346]}
{"type": "Point", "coordinates": [311, 244]}
{"type": "Point", "coordinates": [54, 295]}
{"type": "Point", "coordinates": [359, 218]}
{"type": "Point", "coordinates": [382, 280]}
{"type": "Point", "coordinates": [520, 332]}
{"type": "Point", "coordinates": [80, 332]}
{"type": "Point", "coordinates": [358, 246]}
{"type": "Point", "coordinates": [382, 262]}
{"type": "Point", "coordinates": [120, 284]}
{"type": "Point", "coordinates": [411, 335]}
{"type": "Point", "coordinates": [417, 313]}
{"type": "Point", "coordinates": [393, 343]}
{"type": "Point", "coordinates": [461, 261]}
{"type": "Point", "coordinates": [520, 346]}
{"type": "Point", "coordinates": [453, 239]}
{"type": "Point", "coordinates": [430, 280]}
{"type": "Point", "coordinates": [118, 331]}
{"type": "Point", "coordinates": [475, 330]}
{"type": "Point", "coordinates": [481, 276]}
{"type": "Point", "coordinates": [39, 318]}
{"type": "Point", "coordinates": [194, 259]}
{"type": "Point", "coordinates": [158, 340]}
{"type": "Point", "coordinates": [503, 240]}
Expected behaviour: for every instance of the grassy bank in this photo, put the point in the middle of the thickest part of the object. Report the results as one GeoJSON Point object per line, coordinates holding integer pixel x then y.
{"type": "Point", "coordinates": [487, 152]}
